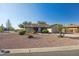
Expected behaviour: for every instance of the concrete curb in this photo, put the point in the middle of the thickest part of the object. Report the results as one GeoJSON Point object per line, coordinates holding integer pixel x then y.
{"type": "Point", "coordinates": [44, 49]}
{"type": "Point", "coordinates": [69, 35]}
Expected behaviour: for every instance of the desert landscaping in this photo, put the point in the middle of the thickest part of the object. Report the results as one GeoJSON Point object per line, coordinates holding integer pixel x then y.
{"type": "Point", "coordinates": [13, 41]}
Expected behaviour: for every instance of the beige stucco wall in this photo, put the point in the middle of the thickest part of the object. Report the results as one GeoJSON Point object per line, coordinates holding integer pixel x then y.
{"type": "Point", "coordinates": [71, 30]}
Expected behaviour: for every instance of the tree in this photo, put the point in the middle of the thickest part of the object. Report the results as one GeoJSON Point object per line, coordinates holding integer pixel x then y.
{"type": "Point", "coordinates": [41, 23]}
{"type": "Point", "coordinates": [21, 26]}
{"type": "Point", "coordinates": [77, 30]}
{"type": "Point", "coordinates": [9, 26]}
{"type": "Point", "coordinates": [1, 30]}
{"type": "Point", "coordinates": [24, 24]}
{"type": "Point", "coordinates": [2, 27]}
{"type": "Point", "coordinates": [58, 27]}
{"type": "Point", "coordinates": [29, 23]}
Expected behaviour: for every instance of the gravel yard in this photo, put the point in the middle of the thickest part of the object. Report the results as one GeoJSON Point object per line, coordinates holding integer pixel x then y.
{"type": "Point", "coordinates": [12, 41]}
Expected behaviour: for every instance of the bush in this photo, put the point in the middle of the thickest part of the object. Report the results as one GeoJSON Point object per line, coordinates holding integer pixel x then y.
{"type": "Point", "coordinates": [1, 30]}
{"type": "Point", "coordinates": [30, 36]}
{"type": "Point", "coordinates": [3, 51]}
{"type": "Point", "coordinates": [7, 51]}
{"type": "Point", "coordinates": [77, 30]}
{"type": "Point", "coordinates": [17, 30]}
{"type": "Point", "coordinates": [45, 31]}
{"type": "Point", "coordinates": [61, 35]}
{"type": "Point", "coordinates": [33, 31]}
{"type": "Point", "coordinates": [22, 32]}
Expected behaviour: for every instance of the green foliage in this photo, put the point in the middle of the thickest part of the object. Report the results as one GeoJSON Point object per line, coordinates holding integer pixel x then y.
{"type": "Point", "coordinates": [11, 29]}
{"type": "Point", "coordinates": [1, 29]}
{"type": "Point", "coordinates": [33, 31]}
{"type": "Point", "coordinates": [58, 27]}
{"type": "Point", "coordinates": [17, 30]}
{"type": "Point", "coordinates": [22, 32]}
{"type": "Point", "coordinates": [21, 26]}
{"type": "Point", "coordinates": [45, 31]}
{"type": "Point", "coordinates": [8, 25]}
{"type": "Point", "coordinates": [77, 30]}
{"type": "Point", "coordinates": [41, 23]}
{"type": "Point", "coordinates": [24, 24]}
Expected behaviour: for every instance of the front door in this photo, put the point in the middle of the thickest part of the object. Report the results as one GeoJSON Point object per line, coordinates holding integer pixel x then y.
{"type": "Point", "coordinates": [36, 29]}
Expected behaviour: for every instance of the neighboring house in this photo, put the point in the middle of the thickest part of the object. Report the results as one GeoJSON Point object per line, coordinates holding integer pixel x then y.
{"type": "Point", "coordinates": [35, 27]}
{"type": "Point", "coordinates": [72, 28]}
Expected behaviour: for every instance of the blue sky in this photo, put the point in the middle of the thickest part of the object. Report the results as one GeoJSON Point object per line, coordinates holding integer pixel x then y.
{"type": "Point", "coordinates": [51, 13]}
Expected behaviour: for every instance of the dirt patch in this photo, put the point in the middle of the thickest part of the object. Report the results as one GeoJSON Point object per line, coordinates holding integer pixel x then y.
{"type": "Point", "coordinates": [12, 41]}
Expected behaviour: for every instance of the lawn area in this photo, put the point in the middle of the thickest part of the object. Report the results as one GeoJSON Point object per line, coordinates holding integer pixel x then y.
{"type": "Point", "coordinates": [13, 40]}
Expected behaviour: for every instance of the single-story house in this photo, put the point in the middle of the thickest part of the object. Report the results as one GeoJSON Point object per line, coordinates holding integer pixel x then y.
{"type": "Point", "coordinates": [36, 28]}
{"type": "Point", "coordinates": [72, 28]}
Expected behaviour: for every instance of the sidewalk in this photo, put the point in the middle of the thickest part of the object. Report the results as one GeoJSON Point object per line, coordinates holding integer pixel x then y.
{"type": "Point", "coordinates": [45, 49]}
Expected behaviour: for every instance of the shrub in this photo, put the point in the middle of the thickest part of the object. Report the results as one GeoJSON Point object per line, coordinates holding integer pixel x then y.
{"type": "Point", "coordinates": [45, 31]}
{"type": "Point", "coordinates": [3, 51]}
{"type": "Point", "coordinates": [33, 31]}
{"type": "Point", "coordinates": [22, 32]}
{"type": "Point", "coordinates": [30, 36]}
{"type": "Point", "coordinates": [61, 36]}
{"type": "Point", "coordinates": [77, 30]}
{"type": "Point", "coordinates": [1, 30]}
{"type": "Point", "coordinates": [17, 30]}
{"type": "Point", "coordinates": [7, 51]}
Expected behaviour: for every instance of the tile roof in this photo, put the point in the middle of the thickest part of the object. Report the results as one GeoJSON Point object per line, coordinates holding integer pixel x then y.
{"type": "Point", "coordinates": [72, 25]}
